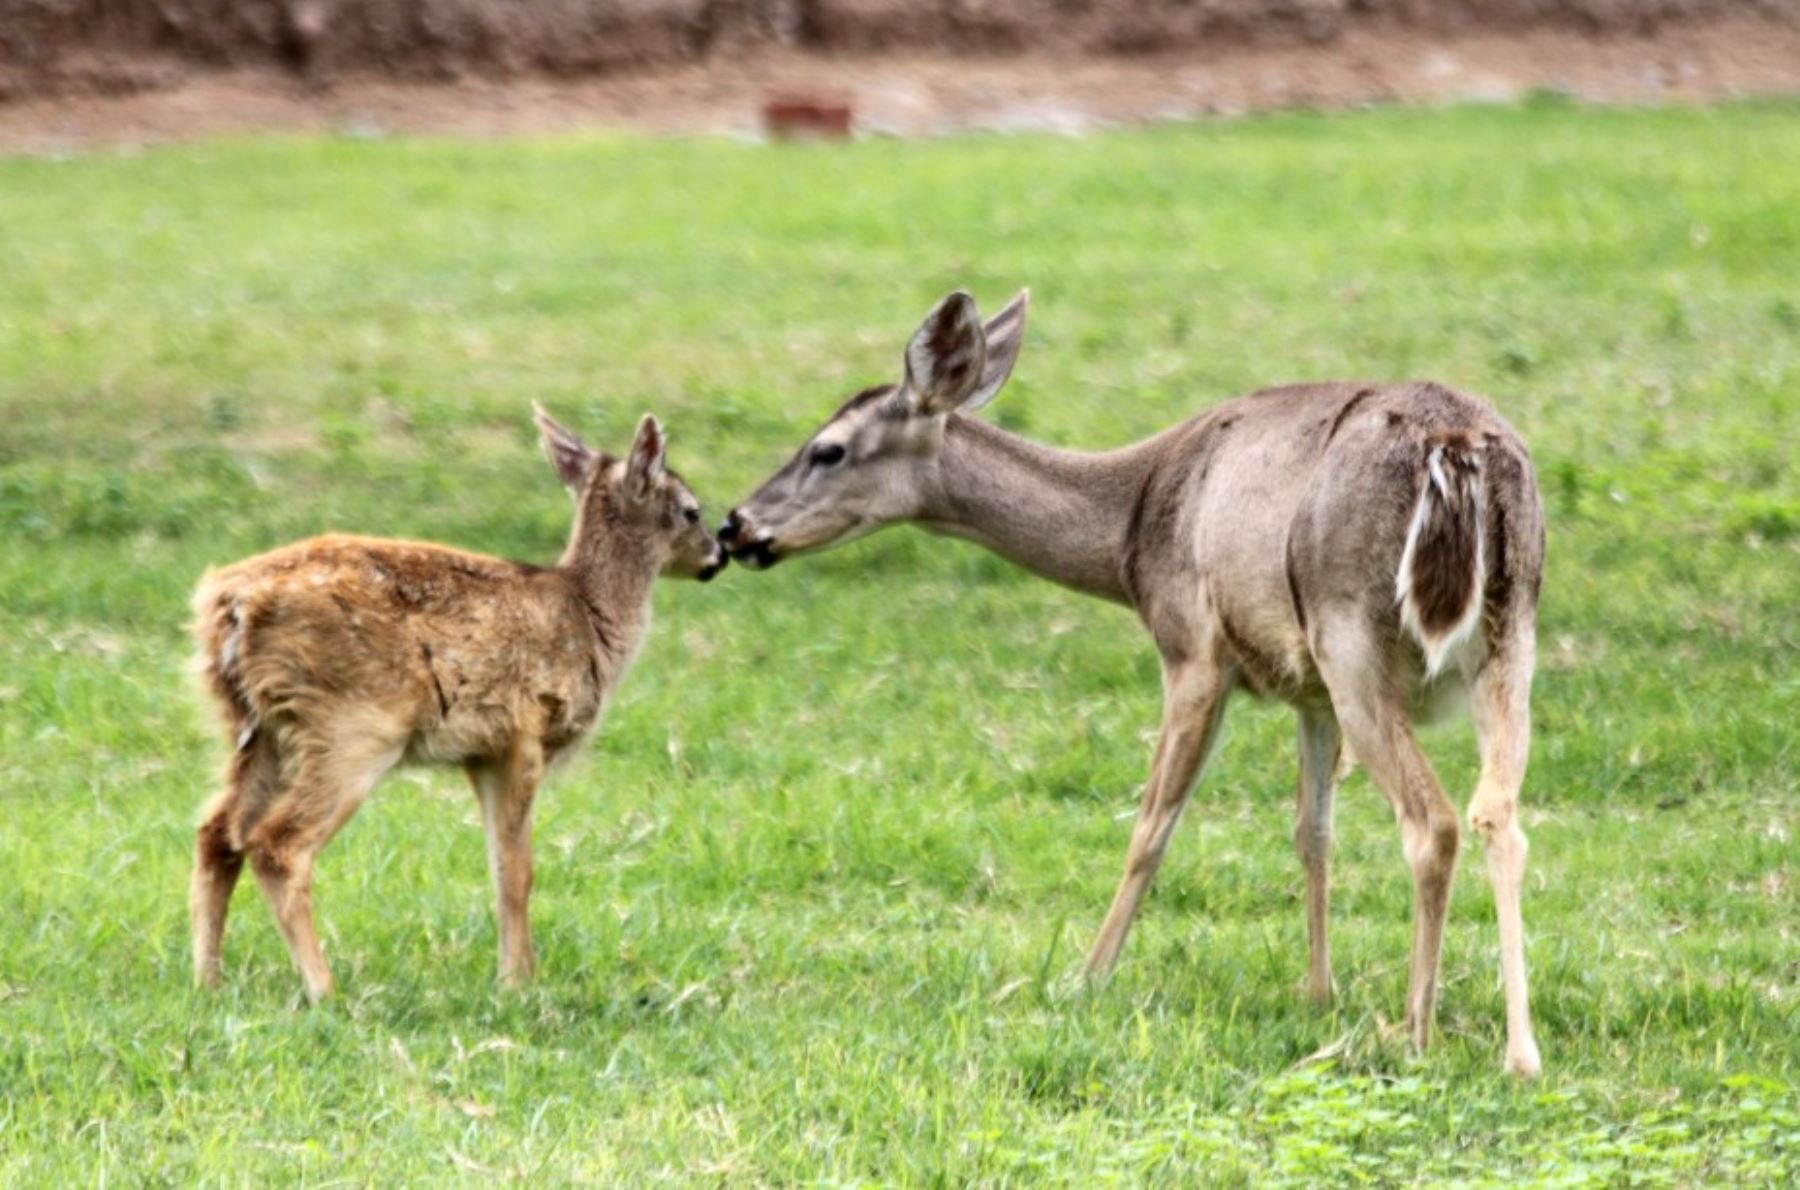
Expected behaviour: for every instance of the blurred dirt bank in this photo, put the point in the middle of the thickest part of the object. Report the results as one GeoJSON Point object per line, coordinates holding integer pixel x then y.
{"type": "Point", "coordinates": [937, 74]}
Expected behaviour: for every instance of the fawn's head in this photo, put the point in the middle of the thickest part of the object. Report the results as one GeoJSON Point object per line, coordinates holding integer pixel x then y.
{"type": "Point", "coordinates": [637, 496]}
{"type": "Point", "coordinates": [871, 462]}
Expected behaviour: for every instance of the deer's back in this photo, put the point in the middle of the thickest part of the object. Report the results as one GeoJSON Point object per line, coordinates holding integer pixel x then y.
{"type": "Point", "coordinates": [1356, 452]}
{"type": "Point", "coordinates": [1304, 493]}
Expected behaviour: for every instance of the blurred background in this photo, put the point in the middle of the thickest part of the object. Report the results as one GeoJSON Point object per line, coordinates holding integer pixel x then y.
{"type": "Point", "coordinates": [158, 68]}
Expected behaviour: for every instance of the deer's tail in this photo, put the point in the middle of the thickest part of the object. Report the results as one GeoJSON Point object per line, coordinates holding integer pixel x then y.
{"type": "Point", "coordinates": [1443, 567]}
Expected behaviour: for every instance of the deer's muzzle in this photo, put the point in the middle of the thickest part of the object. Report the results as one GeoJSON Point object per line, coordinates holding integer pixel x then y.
{"type": "Point", "coordinates": [748, 545]}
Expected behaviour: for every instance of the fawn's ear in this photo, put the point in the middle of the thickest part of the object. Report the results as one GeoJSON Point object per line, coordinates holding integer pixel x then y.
{"type": "Point", "coordinates": [573, 461]}
{"type": "Point", "coordinates": [945, 359]}
{"type": "Point", "coordinates": [644, 469]}
{"type": "Point", "coordinates": [1004, 334]}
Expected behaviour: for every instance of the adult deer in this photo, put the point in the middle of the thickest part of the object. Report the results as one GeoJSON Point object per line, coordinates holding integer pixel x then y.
{"type": "Point", "coordinates": [1358, 551]}
{"type": "Point", "coordinates": [333, 659]}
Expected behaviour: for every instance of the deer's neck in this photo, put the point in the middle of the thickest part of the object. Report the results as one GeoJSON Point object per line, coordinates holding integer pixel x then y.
{"type": "Point", "coordinates": [1063, 515]}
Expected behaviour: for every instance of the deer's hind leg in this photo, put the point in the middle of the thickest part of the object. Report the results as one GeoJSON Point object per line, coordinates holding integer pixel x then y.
{"type": "Point", "coordinates": [1321, 745]}
{"type": "Point", "coordinates": [1374, 720]}
{"type": "Point", "coordinates": [1500, 701]}
{"type": "Point", "coordinates": [323, 787]}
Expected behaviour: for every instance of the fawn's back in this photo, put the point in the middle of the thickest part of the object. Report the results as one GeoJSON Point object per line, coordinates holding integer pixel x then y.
{"type": "Point", "coordinates": [446, 655]}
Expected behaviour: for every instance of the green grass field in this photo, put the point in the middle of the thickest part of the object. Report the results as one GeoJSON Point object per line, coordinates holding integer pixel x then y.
{"type": "Point", "coordinates": [807, 909]}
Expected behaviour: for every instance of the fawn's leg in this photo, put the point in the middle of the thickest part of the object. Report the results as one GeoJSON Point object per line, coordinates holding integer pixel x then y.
{"type": "Point", "coordinates": [1501, 703]}
{"type": "Point", "coordinates": [1193, 698]}
{"type": "Point", "coordinates": [1320, 743]}
{"type": "Point", "coordinates": [217, 866]}
{"type": "Point", "coordinates": [507, 788]}
{"type": "Point", "coordinates": [218, 861]}
{"type": "Point", "coordinates": [285, 876]}
{"type": "Point", "coordinates": [324, 791]}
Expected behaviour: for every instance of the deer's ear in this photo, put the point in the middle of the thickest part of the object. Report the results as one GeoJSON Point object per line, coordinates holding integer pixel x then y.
{"type": "Point", "coordinates": [1004, 335]}
{"type": "Point", "coordinates": [573, 461]}
{"type": "Point", "coordinates": [944, 361]}
{"type": "Point", "coordinates": [644, 468]}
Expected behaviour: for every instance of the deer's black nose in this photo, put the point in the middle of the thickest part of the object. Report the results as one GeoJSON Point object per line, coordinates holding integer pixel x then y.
{"type": "Point", "coordinates": [729, 530]}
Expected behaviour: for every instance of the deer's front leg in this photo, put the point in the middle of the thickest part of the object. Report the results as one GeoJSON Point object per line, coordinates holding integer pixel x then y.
{"type": "Point", "coordinates": [507, 789]}
{"type": "Point", "coordinates": [1193, 697]}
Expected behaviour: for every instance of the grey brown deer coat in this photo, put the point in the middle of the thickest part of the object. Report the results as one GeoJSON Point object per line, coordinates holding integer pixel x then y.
{"type": "Point", "coordinates": [1368, 553]}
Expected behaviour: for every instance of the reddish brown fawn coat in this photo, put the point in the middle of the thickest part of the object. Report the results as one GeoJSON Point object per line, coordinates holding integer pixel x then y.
{"type": "Point", "coordinates": [333, 659]}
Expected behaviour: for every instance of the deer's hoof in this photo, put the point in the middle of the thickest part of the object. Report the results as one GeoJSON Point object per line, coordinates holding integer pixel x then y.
{"type": "Point", "coordinates": [1522, 1061]}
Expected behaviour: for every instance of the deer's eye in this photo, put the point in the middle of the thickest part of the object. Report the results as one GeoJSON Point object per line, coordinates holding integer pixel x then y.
{"type": "Point", "coordinates": [691, 515]}
{"type": "Point", "coordinates": [829, 455]}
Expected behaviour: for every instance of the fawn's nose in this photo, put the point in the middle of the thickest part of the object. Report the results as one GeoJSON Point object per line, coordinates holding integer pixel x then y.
{"type": "Point", "coordinates": [728, 531]}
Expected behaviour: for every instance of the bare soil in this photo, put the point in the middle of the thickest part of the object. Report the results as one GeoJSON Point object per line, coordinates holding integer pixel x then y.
{"type": "Point", "coordinates": [919, 93]}
{"type": "Point", "coordinates": [63, 46]}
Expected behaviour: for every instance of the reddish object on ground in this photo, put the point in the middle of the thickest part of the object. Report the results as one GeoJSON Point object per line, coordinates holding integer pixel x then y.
{"type": "Point", "coordinates": [794, 117]}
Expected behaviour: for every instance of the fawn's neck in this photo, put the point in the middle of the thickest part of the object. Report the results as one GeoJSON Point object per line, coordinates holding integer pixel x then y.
{"type": "Point", "coordinates": [612, 572]}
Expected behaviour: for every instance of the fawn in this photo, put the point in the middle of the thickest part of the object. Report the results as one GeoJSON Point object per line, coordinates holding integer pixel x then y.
{"type": "Point", "coordinates": [1364, 552]}
{"type": "Point", "coordinates": [333, 659]}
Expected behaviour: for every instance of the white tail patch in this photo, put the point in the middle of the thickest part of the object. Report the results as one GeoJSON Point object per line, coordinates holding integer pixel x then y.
{"type": "Point", "coordinates": [226, 665]}
{"type": "Point", "coordinates": [234, 639]}
{"type": "Point", "coordinates": [1442, 497]}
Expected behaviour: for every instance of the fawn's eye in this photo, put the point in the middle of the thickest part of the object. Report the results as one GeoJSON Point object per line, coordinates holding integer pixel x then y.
{"type": "Point", "coordinates": [691, 515]}
{"type": "Point", "coordinates": [829, 455]}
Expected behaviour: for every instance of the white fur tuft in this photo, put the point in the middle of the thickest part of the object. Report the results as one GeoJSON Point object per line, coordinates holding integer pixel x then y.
{"type": "Point", "coordinates": [1439, 647]}
{"type": "Point", "coordinates": [234, 637]}
{"type": "Point", "coordinates": [231, 651]}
